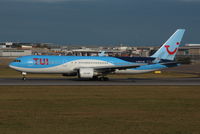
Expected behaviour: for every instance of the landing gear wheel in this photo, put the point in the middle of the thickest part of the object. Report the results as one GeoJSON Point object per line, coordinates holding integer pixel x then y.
{"type": "Point", "coordinates": [103, 78]}
{"type": "Point", "coordinates": [24, 75]}
{"type": "Point", "coordinates": [95, 78]}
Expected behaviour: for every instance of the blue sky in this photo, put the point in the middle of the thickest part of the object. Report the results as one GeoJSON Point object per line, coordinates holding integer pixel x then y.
{"type": "Point", "coordinates": [98, 22]}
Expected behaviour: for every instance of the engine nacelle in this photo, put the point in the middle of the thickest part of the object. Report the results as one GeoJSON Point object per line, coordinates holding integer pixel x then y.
{"type": "Point", "coordinates": [86, 72]}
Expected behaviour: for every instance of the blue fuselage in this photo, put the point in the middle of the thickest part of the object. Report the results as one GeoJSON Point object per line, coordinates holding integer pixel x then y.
{"type": "Point", "coordinates": [70, 64]}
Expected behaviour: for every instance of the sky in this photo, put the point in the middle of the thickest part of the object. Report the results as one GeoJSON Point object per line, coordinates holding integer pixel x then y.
{"type": "Point", "coordinates": [98, 22]}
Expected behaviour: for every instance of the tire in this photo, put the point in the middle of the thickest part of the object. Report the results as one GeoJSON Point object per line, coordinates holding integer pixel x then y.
{"type": "Point", "coordinates": [95, 78]}
{"type": "Point", "coordinates": [105, 78]}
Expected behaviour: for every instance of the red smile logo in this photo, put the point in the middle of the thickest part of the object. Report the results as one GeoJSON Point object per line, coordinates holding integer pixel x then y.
{"type": "Point", "coordinates": [172, 52]}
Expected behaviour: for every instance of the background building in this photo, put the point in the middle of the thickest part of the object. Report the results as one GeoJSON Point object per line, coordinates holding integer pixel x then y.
{"type": "Point", "coordinates": [14, 52]}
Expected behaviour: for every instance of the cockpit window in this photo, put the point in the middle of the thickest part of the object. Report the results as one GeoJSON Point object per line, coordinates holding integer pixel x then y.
{"type": "Point", "coordinates": [17, 61]}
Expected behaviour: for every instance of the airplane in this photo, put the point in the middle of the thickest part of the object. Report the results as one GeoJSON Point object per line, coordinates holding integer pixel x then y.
{"type": "Point", "coordinates": [98, 67]}
{"type": "Point", "coordinates": [102, 53]}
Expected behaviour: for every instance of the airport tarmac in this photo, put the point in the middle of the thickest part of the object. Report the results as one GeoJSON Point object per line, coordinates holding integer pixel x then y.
{"type": "Point", "coordinates": [111, 82]}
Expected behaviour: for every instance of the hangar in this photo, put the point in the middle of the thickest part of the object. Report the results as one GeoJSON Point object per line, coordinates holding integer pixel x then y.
{"type": "Point", "coordinates": [14, 52]}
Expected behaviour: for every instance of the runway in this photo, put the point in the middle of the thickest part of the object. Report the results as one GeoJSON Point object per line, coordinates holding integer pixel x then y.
{"type": "Point", "coordinates": [111, 82]}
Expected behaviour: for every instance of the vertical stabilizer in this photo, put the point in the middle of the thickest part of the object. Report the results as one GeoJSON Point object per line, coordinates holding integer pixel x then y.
{"type": "Point", "coordinates": [102, 53]}
{"type": "Point", "coordinates": [169, 49]}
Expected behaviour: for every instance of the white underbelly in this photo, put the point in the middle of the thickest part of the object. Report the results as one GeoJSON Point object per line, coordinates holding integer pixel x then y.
{"type": "Point", "coordinates": [131, 71]}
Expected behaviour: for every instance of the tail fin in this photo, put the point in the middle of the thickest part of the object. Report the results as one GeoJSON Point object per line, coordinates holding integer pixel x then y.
{"type": "Point", "coordinates": [102, 53]}
{"type": "Point", "coordinates": [169, 49]}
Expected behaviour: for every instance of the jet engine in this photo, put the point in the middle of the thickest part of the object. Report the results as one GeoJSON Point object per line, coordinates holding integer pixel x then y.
{"type": "Point", "coordinates": [86, 72]}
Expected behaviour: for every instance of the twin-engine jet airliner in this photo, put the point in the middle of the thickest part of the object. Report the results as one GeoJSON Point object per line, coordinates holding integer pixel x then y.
{"type": "Point", "coordinates": [97, 67]}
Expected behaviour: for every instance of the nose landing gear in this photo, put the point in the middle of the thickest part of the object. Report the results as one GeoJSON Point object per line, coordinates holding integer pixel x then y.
{"type": "Point", "coordinates": [24, 75]}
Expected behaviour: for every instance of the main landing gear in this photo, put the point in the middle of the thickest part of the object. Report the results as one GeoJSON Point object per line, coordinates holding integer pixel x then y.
{"type": "Point", "coordinates": [100, 78]}
{"type": "Point", "coordinates": [24, 75]}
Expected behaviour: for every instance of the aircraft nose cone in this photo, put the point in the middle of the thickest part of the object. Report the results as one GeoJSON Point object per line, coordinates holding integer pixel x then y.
{"type": "Point", "coordinates": [12, 65]}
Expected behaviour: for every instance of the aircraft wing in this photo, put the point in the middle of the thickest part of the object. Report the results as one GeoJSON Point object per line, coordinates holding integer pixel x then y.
{"type": "Point", "coordinates": [119, 67]}
{"type": "Point", "coordinates": [111, 68]}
